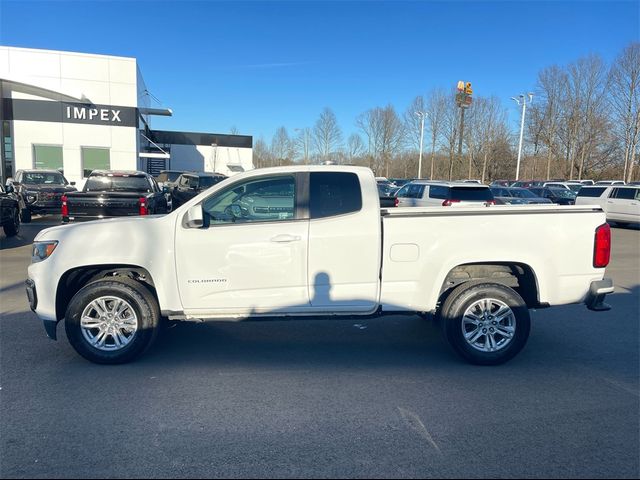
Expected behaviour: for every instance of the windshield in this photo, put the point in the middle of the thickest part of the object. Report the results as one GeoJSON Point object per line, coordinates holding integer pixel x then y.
{"type": "Point", "coordinates": [41, 178]}
{"type": "Point", "coordinates": [206, 182]}
{"type": "Point", "coordinates": [522, 193]}
{"type": "Point", "coordinates": [117, 183]}
{"type": "Point", "coordinates": [562, 193]}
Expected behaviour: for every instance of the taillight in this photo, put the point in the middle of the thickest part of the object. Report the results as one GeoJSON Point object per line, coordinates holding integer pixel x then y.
{"type": "Point", "coordinates": [602, 246]}
{"type": "Point", "coordinates": [142, 204]}
{"type": "Point", "coordinates": [396, 202]}
{"type": "Point", "coordinates": [448, 203]}
{"type": "Point", "coordinates": [65, 207]}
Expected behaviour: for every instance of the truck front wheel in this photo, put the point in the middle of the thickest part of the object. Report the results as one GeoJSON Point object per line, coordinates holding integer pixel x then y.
{"type": "Point", "coordinates": [112, 321]}
{"type": "Point", "coordinates": [485, 323]}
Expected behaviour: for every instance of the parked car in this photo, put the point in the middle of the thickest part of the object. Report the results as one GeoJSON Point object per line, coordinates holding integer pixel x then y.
{"type": "Point", "coordinates": [574, 186]}
{"type": "Point", "coordinates": [188, 185]}
{"type": "Point", "coordinates": [40, 191]}
{"type": "Point", "coordinates": [587, 182]}
{"type": "Point", "coordinates": [9, 211]}
{"type": "Point", "coordinates": [115, 193]}
{"type": "Point", "coordinates": [320, 245]}
{"type": "Point", "coordinates": [501, 183]}
{"type": "Point", "coordinates": [168, 178]}
{"type": "Point", "coordinates": [517, 196]}
{"type": "Point", "coordinates": [560, 196]}
{"type": "Point", "coordinates": [621, 203]}
{"type": "Point", "coordinates": [527, 183]}
{"type": "Point", "coordinates": [424, 193]}
{"type": "Point", "coordinates": [387, 195]}
{"type": "Point", "coordinates": [633, 183]}
{"type": "Point", "coordinates": [400, 182]}
{"type": "Point", "coordinates": [609, 182]}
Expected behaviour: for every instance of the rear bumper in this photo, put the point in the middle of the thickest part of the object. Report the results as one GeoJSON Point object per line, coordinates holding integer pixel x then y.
{"type": "Point", "coordinates": [597, 292]}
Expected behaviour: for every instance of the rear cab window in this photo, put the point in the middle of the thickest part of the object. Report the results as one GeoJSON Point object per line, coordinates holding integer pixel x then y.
{"type": "Point", "coordinates": [471, 194]}
{"type": "Point", "coordinates": [334, 193]}
{"type": "Point", "coordinates": [591, 191]}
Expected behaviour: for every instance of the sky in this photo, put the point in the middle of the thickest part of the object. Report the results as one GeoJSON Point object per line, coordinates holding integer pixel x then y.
{"type": "Point", "coordinates": [262, 64]}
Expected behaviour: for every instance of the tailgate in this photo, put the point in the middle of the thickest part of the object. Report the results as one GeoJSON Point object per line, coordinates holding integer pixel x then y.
{"type": "Point", "coordinates": [102, 205]}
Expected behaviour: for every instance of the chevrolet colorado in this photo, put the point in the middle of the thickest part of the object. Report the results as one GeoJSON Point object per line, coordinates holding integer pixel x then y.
{"type": "Point", "coordinates": [313, 241]}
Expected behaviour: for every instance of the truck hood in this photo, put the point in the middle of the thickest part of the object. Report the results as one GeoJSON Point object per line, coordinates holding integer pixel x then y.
{"type": "Point", "coordinates": [96, 227]}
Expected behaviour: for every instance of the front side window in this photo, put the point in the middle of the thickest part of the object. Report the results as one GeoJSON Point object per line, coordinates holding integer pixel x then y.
{"type": "Point", "coordinates": [94, 159]}
{"type": "Point", "coordinates": [415, 190]}
{"type": "Point", "coordinates": [625, 193]}
{"type": "Point", "coordinates": [259, 200]}
{"type": "Point", "coordinates": [334, 193]}
{"type": "Point", "coordinates": [47, 157]}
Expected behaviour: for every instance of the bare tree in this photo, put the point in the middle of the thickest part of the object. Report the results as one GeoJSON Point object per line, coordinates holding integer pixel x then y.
{"type": "Point", "coordinates": [303, 143]}
{"type": "Point", "coordinates": [412, 122]}
{"type": "Point", "coordinates": [385, 132]}
{"type": "Point", "coordinates": [327, 134]}
{"type": "Point", "coordinates": [625, 104]}
{"type": "Point", "coordinates": [355, 147]}
{"type": "Point", "coordinates": [282, 147]}
{"type": "Point", "coordinates": [551, 85]}
{"type": "Point", "coordinates": [233, 130]}
{"type": "Point", "coordinates": [436, 107]}
{"type": "Point", "coordinates": [261, 154]}
{"type": "Point", "coordinates": [451, 126]}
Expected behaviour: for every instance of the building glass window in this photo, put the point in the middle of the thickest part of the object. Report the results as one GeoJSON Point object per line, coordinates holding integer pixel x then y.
{"type": "Point", "coordinates": [94, 159]}
{"type": "Point", "coordinates": [47, 157]}
{"type": "Point", "coordinates": [7, 142]}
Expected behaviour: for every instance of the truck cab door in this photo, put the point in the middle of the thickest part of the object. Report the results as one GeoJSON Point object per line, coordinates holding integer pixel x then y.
{"type": "Point", "coordinates": [250, 256]}
{"type": "Point", "coordinates": [344, 243]}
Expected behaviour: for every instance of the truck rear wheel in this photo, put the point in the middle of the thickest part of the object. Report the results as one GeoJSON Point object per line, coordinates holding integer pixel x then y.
{"type": "Point", "coordinates": [112, 321]}
{"type": "Point", "coordinates": [12, 228]}
{"type": "Point", "coordinates": [485, 323]}
{"type": "Point", "coordinates": [26, 215]}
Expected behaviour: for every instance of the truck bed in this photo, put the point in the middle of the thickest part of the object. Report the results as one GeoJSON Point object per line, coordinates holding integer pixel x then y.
{"type": "Point", "coordinates": [422, 245]}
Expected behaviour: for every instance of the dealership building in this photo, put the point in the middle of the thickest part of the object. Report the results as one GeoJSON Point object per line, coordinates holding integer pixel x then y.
{"type": "Point", "coordinates": [77, 112]}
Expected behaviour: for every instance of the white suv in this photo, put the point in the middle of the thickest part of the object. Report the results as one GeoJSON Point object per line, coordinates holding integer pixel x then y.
{"type": "Point", "coordinates": [425, 193]}
{"type": "Point", "coordinates": [621, 203]}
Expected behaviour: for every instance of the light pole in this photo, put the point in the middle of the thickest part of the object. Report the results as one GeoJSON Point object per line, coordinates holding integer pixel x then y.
{"type": "Point", "coordinates": [421, 115]}
{"type": "Point", "coordinates": [521, 100]}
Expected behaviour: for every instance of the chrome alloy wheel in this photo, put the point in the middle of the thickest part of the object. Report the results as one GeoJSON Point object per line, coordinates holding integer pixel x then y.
{"type": "Point", "coordinates": [489, 325]}
{"type": "Point", "coordinates": [109, 323]}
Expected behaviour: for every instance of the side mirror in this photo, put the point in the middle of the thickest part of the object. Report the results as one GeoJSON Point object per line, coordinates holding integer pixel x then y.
{"type": "Point", "coordinates": [72, 183]}
{"type": "Point", "coordinates": [9, 188]}
{"type": "Point", "coordinates": [193, 218]}
{"type": "Point", "coordinates": [165, 189]}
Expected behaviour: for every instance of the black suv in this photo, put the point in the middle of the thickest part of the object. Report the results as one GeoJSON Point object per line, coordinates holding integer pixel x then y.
{"type": "Point", "coordinates": [191, 184]}
{"type": "Point", "coordinates": [9, 211]}
{"type": "Point", "coordinates": [40, 191]}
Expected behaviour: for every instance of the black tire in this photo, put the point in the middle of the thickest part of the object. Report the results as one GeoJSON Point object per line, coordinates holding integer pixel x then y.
{"type": "Point", "coordinates": [143, 303]}
{"type": "Point", "coordinates": [462, 298]}
{"type": "Point", "coordinates": [26, 215]}
{"type": "Point", "coordinates": [13, 228]}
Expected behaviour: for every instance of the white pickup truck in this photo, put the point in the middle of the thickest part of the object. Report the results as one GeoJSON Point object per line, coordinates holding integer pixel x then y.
{"type": "Point", "coordinates": [313, 241]}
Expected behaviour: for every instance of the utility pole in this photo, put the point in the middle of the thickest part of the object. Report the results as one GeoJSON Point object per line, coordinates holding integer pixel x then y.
{"type": "Point", "coordinates": [521, 100]}
{"type": "Point", "coordinates": [421, 115]}
{"type": "Point", "coordinates": [463, 100]}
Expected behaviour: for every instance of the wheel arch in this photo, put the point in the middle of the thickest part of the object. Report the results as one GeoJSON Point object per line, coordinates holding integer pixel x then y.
{"type": "Point", "coordinates": [519, 276]}
{"type": "Point", "coordinates": [76, 278]}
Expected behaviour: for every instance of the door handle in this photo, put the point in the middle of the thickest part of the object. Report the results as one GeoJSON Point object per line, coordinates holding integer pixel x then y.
{"type": "Point", "coordinates": [285, 238]}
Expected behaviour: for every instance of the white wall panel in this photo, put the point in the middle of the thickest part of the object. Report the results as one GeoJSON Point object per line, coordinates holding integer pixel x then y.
{"type": "Point", "coordinates": [122, 70]}
{"type": "Point", "coordinates": [96, 92]}
{"type": "Point", "coordinates": [84, 67]}
{"type": "Point", "coordinates": [35, 63]}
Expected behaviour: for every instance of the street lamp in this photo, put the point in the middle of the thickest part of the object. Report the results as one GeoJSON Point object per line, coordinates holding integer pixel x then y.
{"type": "Point", "coordinates": [421, 115]}
{"type": "Point", "coordinates": [521, 100]}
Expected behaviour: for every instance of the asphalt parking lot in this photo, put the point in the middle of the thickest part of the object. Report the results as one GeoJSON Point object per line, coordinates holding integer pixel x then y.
{"type": "Point", "coordinates": [372, 398]}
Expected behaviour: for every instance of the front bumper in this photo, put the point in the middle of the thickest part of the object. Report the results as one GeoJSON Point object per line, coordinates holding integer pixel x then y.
{"type": "Point", "coordinates": [597, 291]}
{"type": "Point", "coordinates": [32, 297]}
